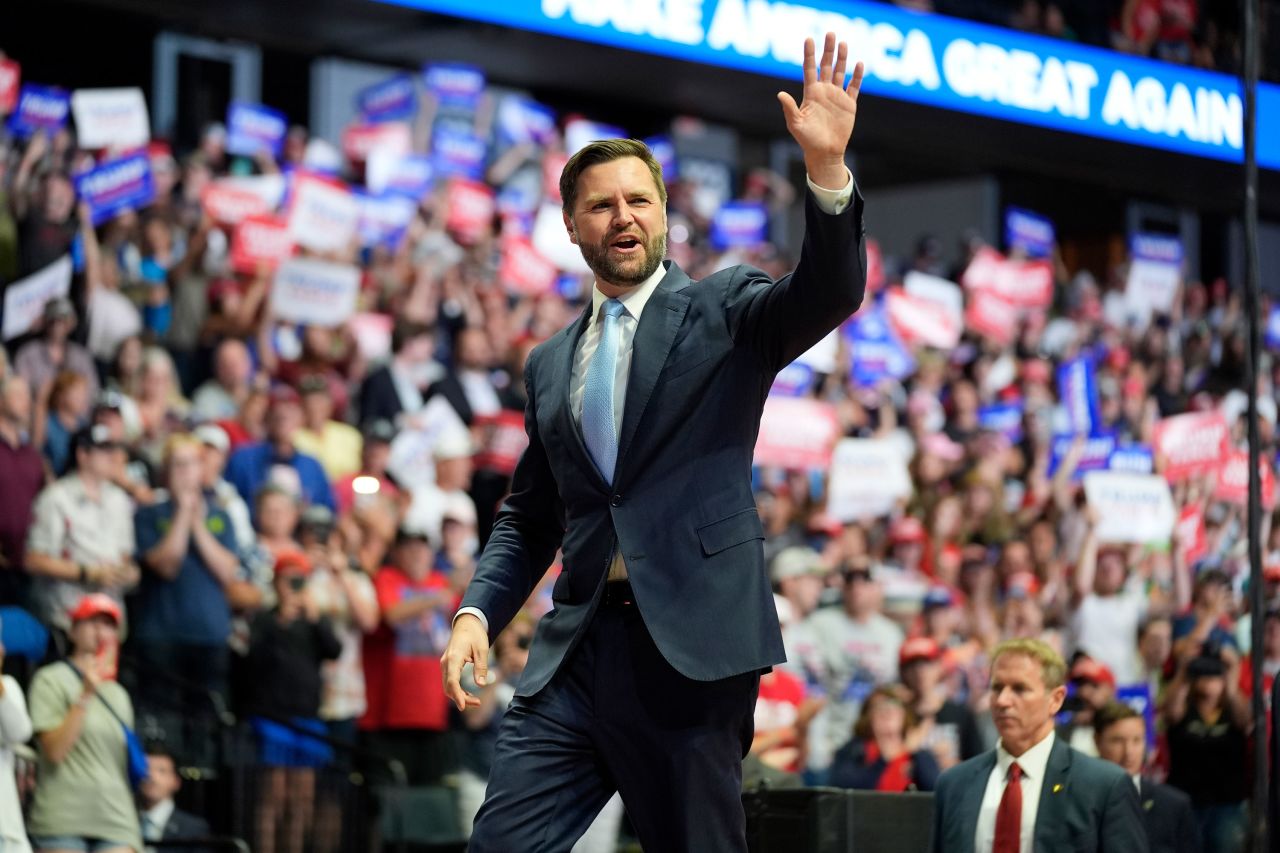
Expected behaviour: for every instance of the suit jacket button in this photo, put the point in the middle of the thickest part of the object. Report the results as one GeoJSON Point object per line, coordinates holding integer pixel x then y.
{"type": "Point", "coordinates": [617, 500]}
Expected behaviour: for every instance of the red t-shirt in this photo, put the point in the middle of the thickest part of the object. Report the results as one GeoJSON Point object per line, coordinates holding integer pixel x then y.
{"type": "Point", "coordinates": [345, 496]}
{"type": "Point", "coordinates": [402, 673]}
{"type": "Point", "coordinates": [778, 707]}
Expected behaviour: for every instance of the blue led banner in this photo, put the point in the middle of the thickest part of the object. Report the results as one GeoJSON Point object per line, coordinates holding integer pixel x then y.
{"type": "Point", "coordinates": [927, 59]}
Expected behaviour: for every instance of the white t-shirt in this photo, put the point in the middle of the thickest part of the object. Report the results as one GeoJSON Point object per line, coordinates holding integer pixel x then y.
{"type": "Point", "coordinates": [1106, 629]}
{"type": "Point", "coordinates": [15, 729]}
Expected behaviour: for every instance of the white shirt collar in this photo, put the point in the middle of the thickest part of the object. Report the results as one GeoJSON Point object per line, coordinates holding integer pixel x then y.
{"type": "Point", "coordinates": [159, 814]}
{"type": "Point", "coordinates": [634, 299]}
{"type": "Point", "coordinates": [1032, 762]}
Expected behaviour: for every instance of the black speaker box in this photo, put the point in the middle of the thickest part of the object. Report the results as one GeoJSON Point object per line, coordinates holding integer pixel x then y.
{"type": "Point", "coordinates": [833, 820]}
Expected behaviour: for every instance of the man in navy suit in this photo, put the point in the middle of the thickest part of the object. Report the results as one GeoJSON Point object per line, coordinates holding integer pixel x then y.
{"type": "Point", "coordinates": [642, 418]}
{"type": "Point", "coordinates": [1033, 792]}
{"type": "Point", "coordinates": [1121, 735]}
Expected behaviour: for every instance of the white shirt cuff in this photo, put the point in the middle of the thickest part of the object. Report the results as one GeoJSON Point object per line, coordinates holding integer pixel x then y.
{"type": "Point", "coordinates": [832, 201]}
{"type": "Point", "coordinates": [476, 612]}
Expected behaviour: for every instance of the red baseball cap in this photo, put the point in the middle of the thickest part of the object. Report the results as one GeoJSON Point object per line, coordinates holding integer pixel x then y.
{"type": "Point", "coordinates": [1022, 585]}
{"type": "Point", "coordinates": [292, 563]}
{"type": "Point", "coordinates": [1092, 671]}
{"type": "Point", "coordinates": [96, 604]}
{"type": "Point", "coordinates": [917, 649]}
{"type": "Point", "coordinates": [906, 529]}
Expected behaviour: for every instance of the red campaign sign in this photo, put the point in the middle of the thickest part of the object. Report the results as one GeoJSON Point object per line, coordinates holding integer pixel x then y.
{"type": "Point", "coordinates": [503, 440]}
{"type": "Point", "coordinates": [359, 140]}
{"type": "Point", "coordinates": [1025, 284]}
{"type": "Point", "coordinates": [797, 433]}
{"type": "Point", "coordinates": [991, 315]}
{"type": "Point", "coordinates": [525, 271]}
{"type": "Point", "coordinates": [875, 267]}
{"type": "Point", "coordinates": [1191, 444]}
{"type": "Point", "coordinates": [230, 205]}
{"type": "Point", "coordinates": [921, 322]}
{"type": "Point", "coordinates": [10, 77]}
{"type": "Point", "coordinates": [1188, 533]}
{"type": "Point", "coordinates": [260, 240]}
{"type": "Point", "coordinates": [553, 163]}
{"type": "Point", "coordinates": [471, 207]}
{"type": "Point", "coordinates": [1233, 480]}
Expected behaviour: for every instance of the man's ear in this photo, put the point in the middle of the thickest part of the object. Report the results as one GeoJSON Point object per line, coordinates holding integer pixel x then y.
{"type": "Point", "coordinates": [568, 225]}
{"type": "Point", "coordinates": [1057, 697]}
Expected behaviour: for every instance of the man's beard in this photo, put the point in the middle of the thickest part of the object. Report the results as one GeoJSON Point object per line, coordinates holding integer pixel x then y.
{"type": "Point", "coordinates": [625, 272]}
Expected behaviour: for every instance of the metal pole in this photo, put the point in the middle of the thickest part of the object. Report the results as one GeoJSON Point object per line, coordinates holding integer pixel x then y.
{"type": "Point", "coordinates": [1253, 324]}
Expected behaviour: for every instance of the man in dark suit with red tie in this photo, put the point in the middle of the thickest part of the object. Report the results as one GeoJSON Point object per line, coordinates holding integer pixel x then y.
{"type": "Point", "coordinates": [642, 419]}
{"type": "Point", "coordinates": [1033, 793]}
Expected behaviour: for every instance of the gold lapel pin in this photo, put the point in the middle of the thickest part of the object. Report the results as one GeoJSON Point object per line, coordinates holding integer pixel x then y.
{"type": "Point", "coordinates": [1149, 805]}
{"type": "Point", "coordinates": [1057, 787]}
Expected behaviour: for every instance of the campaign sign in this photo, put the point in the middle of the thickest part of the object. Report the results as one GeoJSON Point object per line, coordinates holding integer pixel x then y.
{"type": "Point", "coordinates": [24, 299]}
{"type": "Point", "coordinates": [1155, 271]}
{"type": "Point", "coordinates": [324, 217]}
{"type": "Point", "coordinates": [1095, 454]}
{"type": "Point", "coordinates": [10, 76]}
{"type": "Point", "coordinates": [794, 380]}
{"type": "Point", "coordinates": [384, 219]}
{"type": "Point", "coordinates": [868, 478]}
{"type": "Point", "coordinates": [40, 108]}
{"type": "Point", "coordinates": [116, 186]}
{"type": "Point", "coordinates": [922, 322]}
{"type": "Point", "coordinates": [740, 223]}
{"type": "Point", "coordinates": [111, 118]}
{"type": "Point", "coordinates": [664, 151]}
{"type": "Point", "coordinates": [1271, 334]}
{"type": "Point", "coordinates": [1138, 697]}
{"type": "Point", "coordinates": [260, 240]}
{"type": "Point", "coordinates": [876, 353]}
{"type": "Point", "coordinates": [1078, 393]}
{"type": "Point", "coordinates": [1026, 284]}
{"type": "Point", "coordinates": [312, 292]}
{"type": "Point", "coordinates": [1190, 535]}
{"type": "Point", "coordinates": [359, 141]}
{"type": "Point", "coordinates": [553, 163]}
{"type": "Point", "coordinates": [525, 271]}
{"type": "Point", "coordinates": [1233, 480]}
{"type": "Point", "coordinates": [992, 316]}
{"type": "Point", "coordinates": [471, 207]}
{"type": "Point", "coordinates": [1131, 507]}
{"type": "Point", "coordinates": [875, 266]}
{"type": "Point", "coordinates": [580, 132]}
{"type": "Point", "coordinates": [1191, 444]}
{"type": "Point", "coordinates": [392, 99]}
{"type": "Point", "coordinates": [522, 121]}
{"type": "Point", "coordinates": [458, 154]}
{"type": "Point", "coordinates": [797, 434]}
{"type": "Point", "coordinates": [502, 441]}
{"type": "Point", "coordinates": [454, 84]}
{"type": "Point", "coordinates": [1134, 458]}
{"type": "Point", "coordinates": [229, 204]}
{"type": "Point", "coordinates": [1004, 418]}
{"type": "Point", "coordinates": [253, 128]}
{"type": "Point", "coordinates": [1030, 232]}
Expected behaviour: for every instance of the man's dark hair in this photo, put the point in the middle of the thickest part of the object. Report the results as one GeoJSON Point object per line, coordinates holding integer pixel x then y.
{"type": "Point", "coordinates": [159, 749]}
{"type": "Point", "coordinates": [1111, 713]}
{"type": "Point", "coordinates": [406, 330]}
{"type": "Point", "coordinates": [1149, 620]}
{"type": "Point", "coordinates": [606, 151]}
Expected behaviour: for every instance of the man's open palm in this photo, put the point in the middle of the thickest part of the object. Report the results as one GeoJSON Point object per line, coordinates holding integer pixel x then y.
{"type": "Point", "coordinates": [823, 122]}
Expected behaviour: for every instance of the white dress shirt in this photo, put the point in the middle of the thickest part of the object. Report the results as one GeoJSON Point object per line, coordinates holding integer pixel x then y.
{"type": "Point", "coordinates": [155, 819]}
{"type": "Point", "coordinates": [1034, 763]}
{"type": "Point", "coordinates": [829, 201]}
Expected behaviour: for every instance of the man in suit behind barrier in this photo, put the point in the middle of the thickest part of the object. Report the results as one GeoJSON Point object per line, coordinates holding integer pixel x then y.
{"type": "Point", "coordinates": [642, 418]}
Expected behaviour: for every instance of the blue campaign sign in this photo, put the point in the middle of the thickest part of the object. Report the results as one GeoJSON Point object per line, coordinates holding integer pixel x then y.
{"type": "Point", "coordinates": [1135, 459]}
{"type": "Point", "coordinates": [253, 128]}
{"type": "Point", "coordinates": [1031, 232]}
{"type": "Point", "coordinates": [1271, 334]}
{"type": "Point", "coordinates": [39, 108]}
{"type": "Point", "coordinates": [794, 380]}
{"type": "Point", "coordinates": [455, 84]}
{"type": "Point", "coordinates": [876, 353]}
{"type": "Point", "coordinates": [116, 186]}
{"type": "Point", "coordinates": [1096, 456]}
{"type": "Point", "coordinates": [1078, 391]}
{"type": "Point", "coordinates": [926, 59]}
{"type": "Point", "coordinates": [740, 223]}
{"type": "Point", "coordinates": [664, 151]}
{"type": "Point", "coordinates": [1138, 697]}
{"type": "Point", "coordinates": [1004, 418]}
{"type": "Point", "coordinates": [390, 100]}
{"type": "Point", "coordinates": [457, 154]}
{"type": "Point", "coordinates": [411, 177]}
{"type": "Point", "coordinates": [521, 121]}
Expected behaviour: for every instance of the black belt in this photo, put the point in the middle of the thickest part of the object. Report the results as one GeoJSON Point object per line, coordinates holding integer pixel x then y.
{"type": "Point", "coordinates": [617, 594]}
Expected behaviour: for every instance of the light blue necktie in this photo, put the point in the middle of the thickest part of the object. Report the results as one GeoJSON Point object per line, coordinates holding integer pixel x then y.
{"type": "Point", "coordinates": [597, 393]}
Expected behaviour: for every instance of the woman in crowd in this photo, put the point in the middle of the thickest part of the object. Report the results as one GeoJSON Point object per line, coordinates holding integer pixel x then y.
{"type": "Point", "coordinates": [881, 756]}
{"type": "Point", "coordinates": [67, 407]}
{"type": "Point", "coordinates": [78, 710]}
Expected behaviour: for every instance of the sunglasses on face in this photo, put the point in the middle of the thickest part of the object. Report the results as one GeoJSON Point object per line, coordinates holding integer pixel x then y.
{"type": "Point", "coordinates": [297, 584]}
{"type": "Point", "coordinates": [523, 642]}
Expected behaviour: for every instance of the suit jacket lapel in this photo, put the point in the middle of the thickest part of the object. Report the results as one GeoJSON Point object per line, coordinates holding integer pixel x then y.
{"type": "Point", "coordinates": [655, 334]}
{"type": "Point", "coordinates": [971, 803]}
{"type": "Point", "coordinates": [1054, 796]}
{"type": "Point", "coordinates": [563, 401]}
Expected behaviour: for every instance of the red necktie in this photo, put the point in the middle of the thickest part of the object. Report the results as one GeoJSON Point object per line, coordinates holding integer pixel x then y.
{"type": "Point", "coordinates": [1009, 814]}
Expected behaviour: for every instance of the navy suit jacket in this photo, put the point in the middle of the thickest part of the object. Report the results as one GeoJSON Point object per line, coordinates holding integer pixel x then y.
{"type": "Point", "coordinates": [1171, 825]}
{"type": "Point", "coordinates": [1086, 806]}
{"type": "Point", "coordinates": [681, 507]}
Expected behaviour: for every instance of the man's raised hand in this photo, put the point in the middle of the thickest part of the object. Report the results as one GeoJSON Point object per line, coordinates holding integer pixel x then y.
{"type": "Point", "coordinates": [823, 122]}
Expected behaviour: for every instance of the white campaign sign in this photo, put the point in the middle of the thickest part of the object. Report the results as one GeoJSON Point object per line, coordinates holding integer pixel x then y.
{"type": "Point", "coordinates": [1151, 288]}
{"type": "Point", "coordinates": [412, 461]}
{"type": "Point", "coordinates": [868, 477]}
{"type": "Point", "coordinates": [324, 217]}
{"type": "Point", "coordinates": [315, 293]}
{"type": "Point", "coordinates": [24, 300]}
{"type": "Point", "coordinates": [110, 118]}
{"type": "Point", "coordinates": [1131, 507]}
